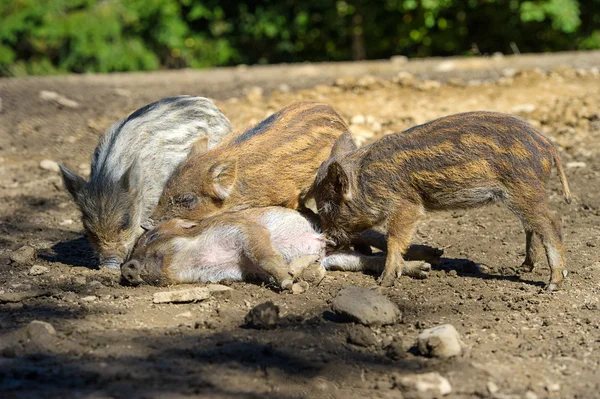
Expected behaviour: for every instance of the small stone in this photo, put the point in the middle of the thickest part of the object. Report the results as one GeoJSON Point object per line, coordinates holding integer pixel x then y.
{"type": "Point", "coordinates": [573, 165]}
{"type": "Point", "coordinates": [37, 270]}
{"type": "Point", "coordinates": [530, 395]}
{"type": "Point", "coordinates": [122, 92]}
{"type": "Point", "coordinates": [284, 88]}
{"type": "Point", "coordinates": [366, 306]}
{"type": "Point", "coordinates": [79, 280]}
{"type": "Point", "coordinates": [67, 103]}
{"type": "Point", "coordinates": [300, 287]}
{"type": "Point", "coordinates": [395, 349]}
{"type": "Point", "coordinates": [553, 387]}
{"type": "Point", "coordinates": [440, 341]}
{"type": "Point", "coordinates": [95, 284]}
{"type": "Point", "coordinates": [187, 315]}
{"type": "Point", "coordinates": [89, 298]}
{"type": "Point", "coordinates": [49, 95]}
{"type": "Point", "coordinates": [497, 56]}
{"type": "Point", "coordinates": [523, 109]}
{"type": "Point", "coordinates": [255, 94]}
{"type": "Point", "coordinates": [398, 60]}
{"type": "Point", "coordinates": [492, 387]}
{"type": "Point", "coordinates": [25, 255]}
{"type": "Point", "coordinates": [429, 85]}
{"type": "Point", "coordinates": [446, 66]}
{"type": "Point", "coordinates": [182, 296]}
{"type": "Point", "coordinates": [220, 291]}
{"type": "Point", "coordinates": [48, 164]}
{"type": "Point", "coordinates": [263, 316]}
{"type": "Point", "coordinates": [66, 222]}
{"type": "Point", "coordinates": [358, 119]}
{"type": "Point", "coordinates": [405, 79]}
{"type": "Point", "coordinates": [432, 383]}
{"type": "Point", "coordinates": [361, 336]}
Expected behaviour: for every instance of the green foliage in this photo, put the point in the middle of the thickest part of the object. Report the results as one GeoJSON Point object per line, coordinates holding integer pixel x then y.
{"type": "Point", "coordinates": [60, 36]}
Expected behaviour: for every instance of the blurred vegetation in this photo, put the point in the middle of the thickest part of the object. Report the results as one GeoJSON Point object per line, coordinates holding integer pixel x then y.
{"type": "Point", "coordinates": [60, 36]}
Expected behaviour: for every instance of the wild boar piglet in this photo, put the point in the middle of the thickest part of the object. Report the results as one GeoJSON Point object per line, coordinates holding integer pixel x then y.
{"type": "Point", "coordinates": [130, 166]}
{"type": "Point", "coordinates": [272, 243]}
{"type": "Point", "coordinates": [460, 161]}
{"type": "Point", "coordinates": [271, 164]}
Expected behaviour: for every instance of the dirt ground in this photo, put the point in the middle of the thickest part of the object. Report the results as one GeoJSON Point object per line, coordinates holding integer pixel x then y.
{"type": "Point", "coordinates": [111, 341]}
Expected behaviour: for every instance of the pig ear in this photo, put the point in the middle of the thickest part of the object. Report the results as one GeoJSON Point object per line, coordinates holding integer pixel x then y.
{"type": "Point", "coordinates": [130, 179]}
{"type": "Point", "coordinates": [223, 176]}
{"type": "Point", "coordinates": [73, 182]}
{"type": "Point", "coordinates": [339, 177]}
{"type": "Point", "coordinates": [199, 146]}
{"type": "Point", "coordinates": [186, 224]}
{"type": "Point", "coordinates": [342, 145]}
{"type": "Point", "coordinates": [148, 224]}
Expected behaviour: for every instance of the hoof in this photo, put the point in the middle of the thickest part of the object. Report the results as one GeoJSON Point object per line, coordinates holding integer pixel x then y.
{"type": "Point", "coordinates": [387, 280]}
{"type": "Point", "coordinates": [526, 268]}
{"type": "Point", "coordinates": [416, 269]}
{"type": "Point", "coordinates": [552, 287]}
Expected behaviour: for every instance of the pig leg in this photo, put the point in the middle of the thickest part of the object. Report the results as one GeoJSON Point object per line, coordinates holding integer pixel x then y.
{"type": "Point", "coordinates": [352, 261]}
{"type": "Point", "coordinates": [259, 249]}
{"type": "Point", "coordinates": [533, 251]}
{"type": "Point", "coordinates": [539, 220]}
{"type": "Point", "coordinates": [401, 226]}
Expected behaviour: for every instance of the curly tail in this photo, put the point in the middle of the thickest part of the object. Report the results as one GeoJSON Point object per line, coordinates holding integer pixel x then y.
{"type": "Point", "coordinates": [561, 174]}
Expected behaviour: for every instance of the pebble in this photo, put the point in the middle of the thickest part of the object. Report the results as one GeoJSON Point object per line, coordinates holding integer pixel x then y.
{"type": "Point", "coordinates": [440, 341]}
{"type": "Point", "coordinates": [48, 164]}
{"type": "Point", "coordinates": [554, 387]}
{"type": "Point", "coordinates": [404, 78]}
{"type": "Point", "coordinates": [395, 349]}
{"type": "Point", "coordinates": [361, 336]}
{"type": "Point", "coordinates": [432, 383]}
{"type": "Point", "coordinates": [445, 66]}
{"type": "Point", "coordinates": [79, 280]}
{"type": "Point", "coordinates": [530, 395]}
{"type": "Point", "coordinates": [66, 222]}
{"type": "Point", "coordinates": [187, 315]}
{"type": "Point", "coordinates": [398, 60]}
{"type": "Point", "coordinates": [492, 387]}
{"type": "Point", "coordinates": [182, 296]}
{"type": "Point", "coordinates": [95, 284]}
{"type": "Point", "coordinates": [366, 306]}
{"type": "Point", "coordinates": [89, 298]}
{"type": "Point", "coordinates": [573, 165]}
{"type": "Point", "coordinates": [25, 255]}
{"type": "Point", "coordinates": [523, 109]}
{"type": "Point", "coordinates": [67, 103]}
{"type": "Point", "coordinates": [284, 88]}
{"type": "Point", "coordinates": [48, 95]}
{"type": "Point", "coordinates": [358, 119]}
{"type": "Point", "coordinates": [37, 270]}
{"type": "Point", "coordinates": [263, 316]}
{"type": "Point", "coordinates": [300, 287]}
{"type": "Point", "coordinates": [220, 291]}
{"type": "Point", "coordinates": [255, 94]}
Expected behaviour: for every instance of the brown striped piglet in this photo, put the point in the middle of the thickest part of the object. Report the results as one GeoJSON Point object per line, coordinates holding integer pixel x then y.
{"type": "Point", "coordinates": [459, 161]}
{"type": "Point", "coordinates": [271, 164]}
{"type": "Point", "coordinates": [272, 243]}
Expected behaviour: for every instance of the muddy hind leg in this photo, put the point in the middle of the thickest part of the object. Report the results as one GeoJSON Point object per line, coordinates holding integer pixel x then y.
{"type": "Point", "coordinates": [533, 252]}
{"type": "Point", "coordinates": [259, 250]}
{"type": "Point", "coordinates": [401, 226]}
{"type": "Point", "coordinates": [539, 221]}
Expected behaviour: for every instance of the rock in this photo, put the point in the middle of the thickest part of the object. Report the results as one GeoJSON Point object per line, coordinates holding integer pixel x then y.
{"type": "Point", "coordinates": [530, 395]}
{"type": "Point", "coordinates": [39, 329]}
{"type": "Point", "coordinates": [358, 119]}
{"type": "Point", "coordinates": [66, 222]}
{"type": "Point", "coordinates": [255, 94]}
{"type": "Point", "coordinates": [67, 103]}
{"type": "Point", "coordinates": [365, 306]}
{"type": "Point", "coordinates": [497, 56]}
{"type": "Point", "coordinates": [182, 296]}
{"type": "Point", "coordinates": [361, 336]}
{"type": "Point", "coordinates": [492, 387]}
{"type": "Point", "coordinates": [95, 284]}
{"type": "Point", "coordinates": [523, 109]}
{"type": "Point", "coordinates": [440, 341]}
{"type": "Point", "coordinates": [37, 270]}
{"type": "Point", "coordinates": [405, 79]}
{"type": "Point", "coordinates": [284, 88]}
{"type": "Point", "coordinates": [553, 387]}
{"type": "Point", "coordinates": [48, 164]}
{"type": "Point", "coordinates": [263, 316]}
{"type": "Point", "coordinates": [15, 297]}
{"type": "Point", "coordinates": [79, 280]}
{"type": "Point", "coordinates": [300, 287]}
{"type": "Point", "coordinates": [432, 383]}
{"type": "Point", "coordinates": [186, 315]}
{"type": "Point", "coordinates": [573, 165]}
{"type": "Point", "coordinates": [220, 291]}
{"type": "Point", "coordinates": [395, 349]}
{"type": "Point", "coordinates": [398, 60]}
{"type": "Point", "coordinates": [89, 298]}
{"type": "Point", "coordinates": [48, 95]}
{"type": "Point", "coordinates": [446, 66]}
{"type": "Point", "coordinates": [25, 255]}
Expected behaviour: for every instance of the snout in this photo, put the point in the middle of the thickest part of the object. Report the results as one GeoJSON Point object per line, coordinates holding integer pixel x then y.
{"type": "Point", "coordinates": [131, 272]}
{"type": "Point", "coordinates": [111, 262]}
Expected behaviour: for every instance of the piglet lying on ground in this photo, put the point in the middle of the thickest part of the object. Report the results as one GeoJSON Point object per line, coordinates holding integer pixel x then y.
{"type": "Point", "coordinates": [459, 161]}
{"type": "Point", "coordinates": [130, 166]}
{"type": "Point", "coordinates": [274, 243]}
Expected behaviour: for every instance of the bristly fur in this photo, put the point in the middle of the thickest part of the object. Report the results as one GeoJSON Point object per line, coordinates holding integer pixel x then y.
{"type": "Point", "coordinates": [273, 163]}
{"type": "Point", "coordinates": [459, 161]}
{"type": "Point", "coordinates": [131, 164]}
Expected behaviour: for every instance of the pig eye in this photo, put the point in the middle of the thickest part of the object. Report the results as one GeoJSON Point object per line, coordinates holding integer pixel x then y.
{"type": "Point", "coordinates": [187, 200]}
{"type": "Point", "coordinates": [125, 222]}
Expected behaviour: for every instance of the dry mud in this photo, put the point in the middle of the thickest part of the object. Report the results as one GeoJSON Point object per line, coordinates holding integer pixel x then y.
{"type": "Point", "coordinates": [112, 341]}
